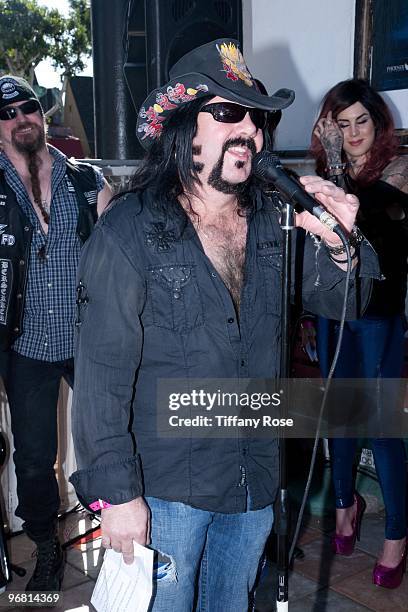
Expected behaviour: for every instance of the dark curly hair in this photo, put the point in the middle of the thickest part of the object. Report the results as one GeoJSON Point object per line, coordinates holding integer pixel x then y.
{"type": "Point", "coordinates": [385, 145]}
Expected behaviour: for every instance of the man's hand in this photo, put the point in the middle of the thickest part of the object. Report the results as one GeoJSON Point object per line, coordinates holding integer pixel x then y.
{"type": "Point", "coordinates": [123, 524]}
{"type": "Point", "coordinates": [343, 206]}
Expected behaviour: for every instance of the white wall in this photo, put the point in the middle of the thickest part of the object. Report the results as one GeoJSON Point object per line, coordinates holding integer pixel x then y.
{"type": "Point", "coordinates": [305, 45]}
{"type": "Point", "coordinates": [397, 100]}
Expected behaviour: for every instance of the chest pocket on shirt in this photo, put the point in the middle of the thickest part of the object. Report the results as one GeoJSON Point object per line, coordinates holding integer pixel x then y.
{"type": "Point", "coordinates": [175, 297]}
{"type": "Point", "coordinates": [270, 264]}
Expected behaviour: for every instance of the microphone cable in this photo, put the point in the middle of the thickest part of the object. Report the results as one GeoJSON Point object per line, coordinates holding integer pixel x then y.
{"type": "Point", "coordinates": [346, 245]}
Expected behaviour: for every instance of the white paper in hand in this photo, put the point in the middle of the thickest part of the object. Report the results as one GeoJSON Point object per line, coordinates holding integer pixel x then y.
{"type": "Point", "coordinates": [121, 587]}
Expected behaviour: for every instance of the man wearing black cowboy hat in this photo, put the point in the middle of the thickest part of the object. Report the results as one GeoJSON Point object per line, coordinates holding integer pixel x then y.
{"type": "Point", "coordinates": [47, 205]}
{"type": "Point", "coordinates": [181, 280]}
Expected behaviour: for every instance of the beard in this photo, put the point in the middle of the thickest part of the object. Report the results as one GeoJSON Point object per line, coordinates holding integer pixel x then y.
{"type": "Point", "coordinates": [28, 144]}
{"type": "Point", "coordinates": [215, 178]}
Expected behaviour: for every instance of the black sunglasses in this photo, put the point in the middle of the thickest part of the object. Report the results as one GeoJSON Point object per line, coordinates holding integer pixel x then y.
{"type": "Point", "coordinates": [229, 112]}
{"type": "Point", "coordinates": [28, 108]}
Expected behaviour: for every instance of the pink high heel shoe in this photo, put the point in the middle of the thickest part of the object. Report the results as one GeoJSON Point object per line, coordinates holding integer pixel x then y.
{"type": "Point", "coordinates": [390, 577]}
{"type": "Point", "coordinates": [343, 544]}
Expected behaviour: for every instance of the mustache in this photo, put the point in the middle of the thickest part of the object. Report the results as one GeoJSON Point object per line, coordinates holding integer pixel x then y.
{"type": "Point", "coordinates": [23, 126]}
{"type": "Point", "coordinates": [240, 142]}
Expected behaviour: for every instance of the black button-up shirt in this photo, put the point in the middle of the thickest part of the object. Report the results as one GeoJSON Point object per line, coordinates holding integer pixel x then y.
{"type": "Point", "coordinates": [157, 309]}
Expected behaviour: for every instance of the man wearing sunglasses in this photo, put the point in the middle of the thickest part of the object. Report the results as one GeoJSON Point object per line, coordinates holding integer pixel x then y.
{"type": "Point", "coordinates": [181, 280]}
{"type": "Point", "coordinates": [47, 208]}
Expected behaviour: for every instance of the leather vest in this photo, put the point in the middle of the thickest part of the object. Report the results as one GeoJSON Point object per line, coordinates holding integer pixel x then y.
{"type": "Point", "coordinates": [15, 240]}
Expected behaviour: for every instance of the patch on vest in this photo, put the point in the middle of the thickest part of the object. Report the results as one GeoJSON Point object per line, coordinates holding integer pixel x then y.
{"type": "Point", "coordinates": [6, 239]}
{"type": "Point", "coordinates": [6, 282]}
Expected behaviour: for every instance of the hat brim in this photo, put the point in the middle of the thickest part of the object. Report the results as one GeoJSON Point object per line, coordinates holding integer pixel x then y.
{"type": "Point", "coordinates": [191, 86]}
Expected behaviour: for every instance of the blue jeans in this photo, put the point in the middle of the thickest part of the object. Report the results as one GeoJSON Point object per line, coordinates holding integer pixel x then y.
{"type": "Point", "coordinates": [205, 561]}
{"type": "Point", "coordinates": [371, 347]}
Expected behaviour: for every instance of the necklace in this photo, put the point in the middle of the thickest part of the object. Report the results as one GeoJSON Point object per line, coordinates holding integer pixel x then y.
{"type": "Point", "coordinates": [46, 205]}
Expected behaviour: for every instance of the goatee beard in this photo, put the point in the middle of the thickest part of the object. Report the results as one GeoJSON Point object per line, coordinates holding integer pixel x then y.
{"type": "Point", "coordinates": [215, 179]}
{"type": "Point", "coordinates": [32, 143]}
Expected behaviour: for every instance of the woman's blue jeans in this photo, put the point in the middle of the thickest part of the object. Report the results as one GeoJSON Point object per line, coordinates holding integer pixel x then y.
{"type": "Point", "coordinates": [205, 561]}
{"type": "Point", "coordinates": [371, 347]}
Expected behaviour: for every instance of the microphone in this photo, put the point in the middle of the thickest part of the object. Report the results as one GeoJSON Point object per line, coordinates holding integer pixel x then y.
{"type": "Point", "coordinates": [268, 167]}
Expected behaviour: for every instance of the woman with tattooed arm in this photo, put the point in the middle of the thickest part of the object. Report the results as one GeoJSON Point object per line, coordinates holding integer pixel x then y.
{"type": "Point", "coordinates": [354, 145]}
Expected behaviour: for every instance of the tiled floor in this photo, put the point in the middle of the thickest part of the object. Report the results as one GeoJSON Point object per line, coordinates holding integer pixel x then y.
{"type": "Point", "coordinates": [319, 582]}
{"type": "Point", "coordinates": [83, 563]}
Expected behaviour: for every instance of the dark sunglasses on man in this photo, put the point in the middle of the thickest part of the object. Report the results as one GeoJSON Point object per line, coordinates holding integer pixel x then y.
{"type": "Point", "coordinates": [229, 112]}
{"type": "Point", "coordinates": [27, 108]}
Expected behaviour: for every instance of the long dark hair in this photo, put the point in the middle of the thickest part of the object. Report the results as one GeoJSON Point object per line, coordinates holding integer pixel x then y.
{"type": "Point", "coordinates": [385, 145]}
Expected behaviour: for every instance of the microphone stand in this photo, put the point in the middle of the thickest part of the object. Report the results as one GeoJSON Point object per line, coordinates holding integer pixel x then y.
{"type": "Point", "coordinates": [282, 504]}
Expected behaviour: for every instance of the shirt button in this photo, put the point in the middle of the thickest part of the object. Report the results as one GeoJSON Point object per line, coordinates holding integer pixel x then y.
{"type": "Point", "coordinates": [38, 231]}
{"type": "Point", "coordinates": [19, 296]}
{"type": "Point", "coordinates": [22, 262]}
{"type": "Point", "coordinates": [50, 311]}
{"type": "Point", "coordinates": [213, 274]}
{"type": "Point", "coordinates": [26, 229]}
{"type": "Point", "coordinates": [49, 285]}
{"type": "Point", "coordinates": [230, 320]}
{"type": "Point", "coordinates": [45, 343]}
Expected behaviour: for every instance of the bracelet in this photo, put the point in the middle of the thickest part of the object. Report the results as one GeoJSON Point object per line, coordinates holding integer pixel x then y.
{"type": "Point", "coordinates": [99, 504]}
{"type": "Point", "coordinates": [354, 255]}
{"type": "Point", "coordinates": [337, 166]}
{"type": "Point", "coordinates": [355, 238]}
{"type": "Point", "coordinates": [335, 250]}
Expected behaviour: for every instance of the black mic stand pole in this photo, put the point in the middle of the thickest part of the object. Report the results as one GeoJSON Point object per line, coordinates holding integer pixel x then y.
{"type": "Point", "coordinates": [282, 504]}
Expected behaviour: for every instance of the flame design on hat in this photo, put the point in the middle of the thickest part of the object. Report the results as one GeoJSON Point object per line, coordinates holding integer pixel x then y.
{"type": "Point", "coordinates": [234, 63]}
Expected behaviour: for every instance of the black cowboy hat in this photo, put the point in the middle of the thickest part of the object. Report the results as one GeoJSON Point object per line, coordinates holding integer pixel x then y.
{"type": "Point", "coordinates": [217, 68]}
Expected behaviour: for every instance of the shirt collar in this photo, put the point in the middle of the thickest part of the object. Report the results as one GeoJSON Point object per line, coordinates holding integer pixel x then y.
{"type": "Point", "coordinates": [58, 157]}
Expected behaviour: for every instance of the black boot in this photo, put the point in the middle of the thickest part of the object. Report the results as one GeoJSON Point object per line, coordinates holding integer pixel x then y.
{"type": "Point", "coordinates": [49, 569]}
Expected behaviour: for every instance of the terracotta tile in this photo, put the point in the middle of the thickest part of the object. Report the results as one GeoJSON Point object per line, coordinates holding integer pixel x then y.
{"type": "Point", "coordinates": [359, 587]}
{"type": "Point", "coordinates": [372, 534]}
{"type": "Point", "coordinates": [88, 559]}
{"type": "Point", "coordinates": [72, 577]}
{"type": "Point", "coordinates": [321, 565]}
{"type": "Point", "coordinates": [308, 535]}
{"type": "Point", "coordinates": [20, 548]}
{"type": "Point", "coordinates": [325, 600]}
{"type": "Point", "coordinates": [77, 597]}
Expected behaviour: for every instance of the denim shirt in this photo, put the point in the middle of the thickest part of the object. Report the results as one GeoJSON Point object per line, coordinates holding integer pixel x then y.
{"type": "Point", "coordinates": [154, 307]}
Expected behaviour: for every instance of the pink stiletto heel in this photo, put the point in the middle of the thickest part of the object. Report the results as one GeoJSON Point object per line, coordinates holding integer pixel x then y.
{"type": "Point", "coordinates": [390, 577]}
{"type": "Point", "coordinates": [344, 545]}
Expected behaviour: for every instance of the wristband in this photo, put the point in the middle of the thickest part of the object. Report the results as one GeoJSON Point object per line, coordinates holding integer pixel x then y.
{"type": "Point", "coordinates": [99, 504]}
{"type": "Point", "coordinates": [354, 255]}
{"type": "Point", "coordinates": [336, 250]}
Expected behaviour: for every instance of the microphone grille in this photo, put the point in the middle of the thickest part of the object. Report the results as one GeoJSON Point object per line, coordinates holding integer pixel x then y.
{"type": "Point", "coordinates": [263, 162]}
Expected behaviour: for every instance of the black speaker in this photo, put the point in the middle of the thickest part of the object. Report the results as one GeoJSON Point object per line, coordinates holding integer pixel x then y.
{"type": "Point", "coordinates": [162, 31]}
